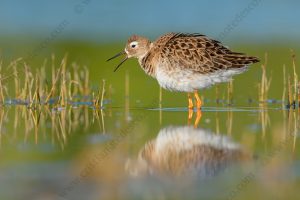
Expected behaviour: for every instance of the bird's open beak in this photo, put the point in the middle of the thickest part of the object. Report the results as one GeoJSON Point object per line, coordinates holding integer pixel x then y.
{"type": "Point", "coordinates": [115, 56]}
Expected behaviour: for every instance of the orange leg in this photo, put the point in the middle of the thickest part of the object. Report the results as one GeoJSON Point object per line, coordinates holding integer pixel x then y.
{"type": "Point", "coordinates": [199, 115]}
{"type": "Point", "coordinates": [190, 108]}
{"type": "Point", "coordinates": [190, 101]}
{"type": "Point", "coordinates": [199, 102]}
{"type": "Point", "coordinates": [190, 116]}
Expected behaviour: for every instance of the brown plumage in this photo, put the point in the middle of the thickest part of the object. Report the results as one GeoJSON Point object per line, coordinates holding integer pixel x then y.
{"type": "Point", "coordinates": [194, 51]}
{"type": "Point", "coordinates": [186, 62]}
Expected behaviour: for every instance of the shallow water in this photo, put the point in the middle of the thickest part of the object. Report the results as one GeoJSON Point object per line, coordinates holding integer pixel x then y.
{"type": "Point", "coordinates": [136, 148]}
{"type": "Point", "coordinates": [148, 153]}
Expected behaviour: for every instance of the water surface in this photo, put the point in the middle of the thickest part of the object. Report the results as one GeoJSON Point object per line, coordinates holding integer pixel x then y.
{"type": "Point", "coordinates": [143, 153]}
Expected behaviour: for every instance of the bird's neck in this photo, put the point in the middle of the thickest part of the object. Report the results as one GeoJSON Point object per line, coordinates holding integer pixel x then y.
{"type": "Point", "coordinates": [146, 62]}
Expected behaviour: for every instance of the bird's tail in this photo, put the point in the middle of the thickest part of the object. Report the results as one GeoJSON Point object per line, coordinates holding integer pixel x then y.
{"type": "Point", "coordinates": [240, 60]}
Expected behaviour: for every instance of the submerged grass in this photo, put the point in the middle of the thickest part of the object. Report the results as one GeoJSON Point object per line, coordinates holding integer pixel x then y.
{"type": "Point", "coordinates": [34, 122]}
{"type": "Point", "coordinates": [66, 87]}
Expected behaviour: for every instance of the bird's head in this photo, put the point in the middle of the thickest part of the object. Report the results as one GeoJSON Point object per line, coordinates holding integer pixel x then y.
{"type": "Point", "coordinates": [136, 47]}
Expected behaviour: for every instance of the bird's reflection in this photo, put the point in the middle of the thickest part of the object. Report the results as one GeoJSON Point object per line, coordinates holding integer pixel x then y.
{"type": "Point", "coordinates": [186, 151]}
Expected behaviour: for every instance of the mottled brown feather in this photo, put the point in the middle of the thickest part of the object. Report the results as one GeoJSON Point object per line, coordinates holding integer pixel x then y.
{"type": "Point", "coordinates": [195, 52]}
{"type": "Point", "coordinates": [149, 61]}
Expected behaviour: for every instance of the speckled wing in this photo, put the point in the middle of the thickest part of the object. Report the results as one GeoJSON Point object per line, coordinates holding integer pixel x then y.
{"type": "Point", "coordinates": [199, 53]}
{"type": "Point", "coordinates": [150, 60]}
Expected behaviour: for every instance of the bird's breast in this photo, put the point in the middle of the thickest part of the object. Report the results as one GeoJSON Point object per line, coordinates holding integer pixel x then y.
{"type": "Point", "coordinates": [147, 65]}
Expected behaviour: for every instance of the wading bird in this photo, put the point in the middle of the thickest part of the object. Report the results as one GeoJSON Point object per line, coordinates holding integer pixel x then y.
{"type": "Point", "coordinates": [186, 62]}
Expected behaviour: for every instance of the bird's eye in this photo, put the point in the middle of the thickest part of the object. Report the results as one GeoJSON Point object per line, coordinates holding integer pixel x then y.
{"type": "Point", "coordinates": [133, 44]}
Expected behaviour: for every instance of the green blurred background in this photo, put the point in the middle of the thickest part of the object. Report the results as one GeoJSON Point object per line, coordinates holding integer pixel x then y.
{"type": "Point", "coordinates": [92, 31]}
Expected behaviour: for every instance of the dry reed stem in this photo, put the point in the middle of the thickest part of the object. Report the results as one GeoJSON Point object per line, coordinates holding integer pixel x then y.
{"type": "Point", "coordinates": [86, 81]}
{"type": "Point", "coordinates": [1, 125]}
{"type": "Point", "coordinates": [63, 87]}
{"type": "Point", "coordinates": [265, 83]}
{"type": "Point", "coordinates": [290, 93]}
{"type": "Point", "coordinates": [69, 86]}
{"type": "Point", "coordinates": [109, 95]}
{"type": "Point", "coordinates": [55, 78]}
{"type": "Point", "coordinates": [284, 86]}
{"type": "Point", "coordinates": [295, 75]}
{"type": "Point", "coordinates": [103, 92]}
{"type": "Point", "coordinates": [43, 88]}
{"type": "Point", "coordinates": [230, 92]}
{"type": "Point", "coordinates": [76, 79]}
{"type": "Point", "coordinates": [16, 81]}
{"type": "Point", "coordinates": [299, 94]}
{"type": "Point", "coordinates": [98, 97]}
{"type": "Point", "coordinates": [1, 86]}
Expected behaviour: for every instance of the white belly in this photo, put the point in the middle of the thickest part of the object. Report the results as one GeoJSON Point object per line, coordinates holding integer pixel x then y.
{"type": "Point", "coordinates": [189, 81]}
